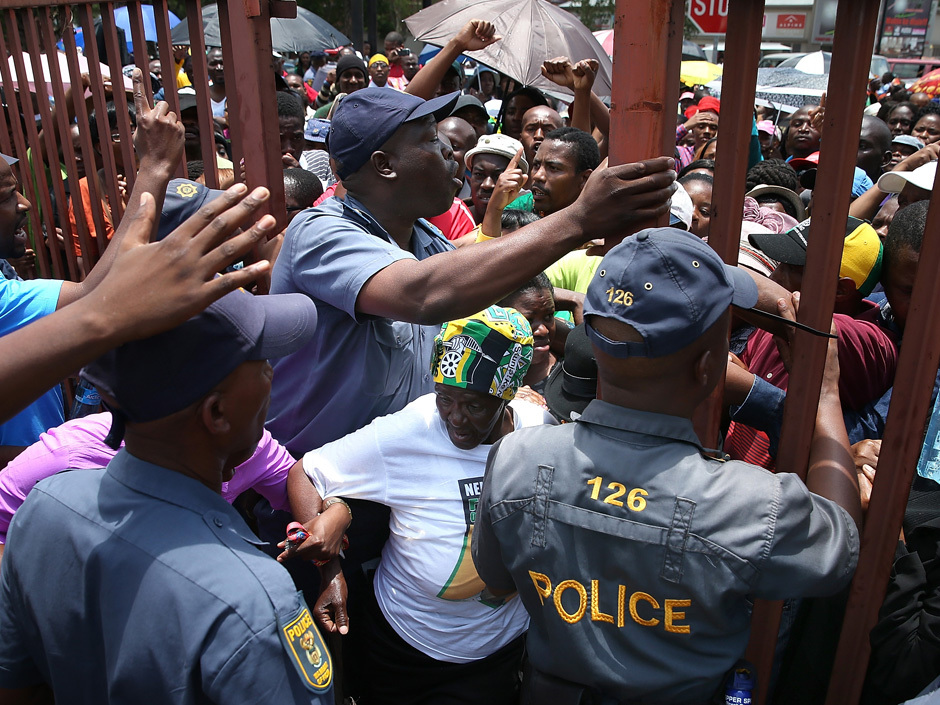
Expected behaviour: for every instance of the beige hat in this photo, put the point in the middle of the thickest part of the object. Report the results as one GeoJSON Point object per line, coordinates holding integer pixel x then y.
{"type": "Point", "coordinates": [500, 145]}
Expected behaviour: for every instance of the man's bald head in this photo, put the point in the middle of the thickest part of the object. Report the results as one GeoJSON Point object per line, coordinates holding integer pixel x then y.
{"type": "Point", "coordinates": [461, 135]}
{"type": "Point", "coordinates": [536, 123]}
{"type": "Point", "coordinates": [874, 147]}
{"type": "Point", "coordinates": [919, 99]}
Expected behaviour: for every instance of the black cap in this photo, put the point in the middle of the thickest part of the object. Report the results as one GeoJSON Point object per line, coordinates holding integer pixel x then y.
{"type": "Point", "coordinates": [573, 383]}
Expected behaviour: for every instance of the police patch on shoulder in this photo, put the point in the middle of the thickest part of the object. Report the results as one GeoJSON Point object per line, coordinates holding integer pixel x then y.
{"type": "Point", "coordinates": [307, 650]}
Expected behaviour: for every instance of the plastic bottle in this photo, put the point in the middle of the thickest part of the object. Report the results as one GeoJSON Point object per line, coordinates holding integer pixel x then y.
{"type": "Point", "coordinates": [87, 400]}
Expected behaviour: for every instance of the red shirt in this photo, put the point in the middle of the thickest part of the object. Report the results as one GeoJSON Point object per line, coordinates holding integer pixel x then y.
{"type": "Point", "coordinates": [456, 222]}
{"type": "Point", "coordinates": [868, 357]}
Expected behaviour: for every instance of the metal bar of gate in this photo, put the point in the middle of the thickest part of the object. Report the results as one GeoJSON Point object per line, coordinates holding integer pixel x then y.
{"type": "Point", "coordinates": [108, 161]}
{"type": "Point", "coordinates": [50, 166]}
{"type": "Point", "coordinates": [34, 163]}
{"type": "Point", "coordinates": [643, 99]}
{"type": "Point", "coordinates": [64, 127]}
{"type": "Point", "coordinates": [901, 447]}
{"type": "Point", "coordinates": [142, 51]}
{"type": "Point", "coordinates": [745, 18]}
{"type": "Point", "coordinates": [197, 47]}
{"type": "Point", "coordinates": [253, 72]}
{"type": "Point", "coordinates": [167, 59]}
{"type": "Point", "coordinates": [125, 131]}
{"type": "Point", "coordinates": [88, 152]}
{"type": "Point", "coordinates": [20, 103]}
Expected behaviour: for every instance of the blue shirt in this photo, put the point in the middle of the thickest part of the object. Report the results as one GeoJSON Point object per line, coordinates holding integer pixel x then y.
{"type": "Point", "coordinates": [357, 367]}
{"type": "Point", "coordinates": [158, 594]}
{"type": "Point", "coordinates": [22, 302]}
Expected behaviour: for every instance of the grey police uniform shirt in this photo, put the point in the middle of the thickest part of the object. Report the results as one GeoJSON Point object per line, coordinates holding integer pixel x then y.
{"type": "Point", "coordinates": [136, 584]}
{"type": "Point", "coordinates": [636, 556]}
{"type": "Point", "coordinates": [357, 367]}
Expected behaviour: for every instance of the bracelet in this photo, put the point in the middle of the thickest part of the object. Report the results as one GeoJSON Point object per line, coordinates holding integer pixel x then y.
{"type": "Point", "coordinates": [327, 503]}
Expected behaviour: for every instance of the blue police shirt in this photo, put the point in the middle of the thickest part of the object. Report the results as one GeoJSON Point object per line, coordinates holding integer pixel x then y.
{"type": "Point", "coordinates": [137, 584]}
{"type": "Point", "coordinates": [356, 367]}
{"type": "Point", "coordinates": [22, 302]}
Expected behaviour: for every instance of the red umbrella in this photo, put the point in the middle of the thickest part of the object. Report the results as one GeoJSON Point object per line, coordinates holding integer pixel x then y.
{"type": "Point", "coordinates": [928, 83]}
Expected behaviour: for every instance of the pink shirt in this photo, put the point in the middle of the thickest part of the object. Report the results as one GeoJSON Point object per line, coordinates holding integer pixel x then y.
{"type": "Point", "coordinates": [79, 445]}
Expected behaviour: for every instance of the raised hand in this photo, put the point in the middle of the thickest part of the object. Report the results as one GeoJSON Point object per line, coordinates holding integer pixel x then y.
{"type": "Point", "coordinates": [155, 286]}
{"type": "Point", "coordinates": [477, 34]}
{"type": "Point", "coordinates": [508, 185]}
{"type": "Point", "coordinates": [158, 138]}
{"type": "Point", "coordinates": [584, 73]}
{"type": "Point", "coordinates": [616, 196]}
{"type": "Point", "coordinates": [559, 71]}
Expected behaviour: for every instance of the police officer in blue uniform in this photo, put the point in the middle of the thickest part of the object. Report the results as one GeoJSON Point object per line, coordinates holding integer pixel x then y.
{"type": "Point", "coordinates": [139, 583]}
{"type": "Point", "coordinates": [634, 552]}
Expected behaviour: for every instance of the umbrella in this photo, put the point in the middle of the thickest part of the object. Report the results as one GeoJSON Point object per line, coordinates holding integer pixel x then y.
{"type": "Point", "coordinates": [786, 88]}
{"type": "Point", "coordinates": [18, 81]}
{"type": "Point", "coordinates": [696, 73]}
{"type": "Point", "coordinates": [305, 32]}
{"type": "Point", "coordinates": [122, 20]}
{"type": "Point", "coordinates": [816, 62]}
{"type": "Point", "coordinates": [929, 83]}
{"type": "Point", "coordinates": [532, 31]}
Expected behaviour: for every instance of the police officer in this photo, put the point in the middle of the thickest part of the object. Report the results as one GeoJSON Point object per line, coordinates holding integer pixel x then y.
{"type": "Point", "coordinates": [633, 551]}
{"type": "Point", "coordinates": [158, 591]}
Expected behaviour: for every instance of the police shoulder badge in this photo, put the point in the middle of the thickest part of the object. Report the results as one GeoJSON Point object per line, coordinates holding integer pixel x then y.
{"type": "Point", "coordinates": [307, 650]}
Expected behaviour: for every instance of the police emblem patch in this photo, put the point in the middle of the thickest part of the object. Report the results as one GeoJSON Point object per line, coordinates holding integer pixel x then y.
{"type": "Point", "coordinates": [308, 651]}
{"type": "Point", "coordinates": [187, 190]}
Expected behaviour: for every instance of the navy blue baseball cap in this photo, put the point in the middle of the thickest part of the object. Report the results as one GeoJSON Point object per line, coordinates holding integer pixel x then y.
{"type": "Point", "coordinates": [152, 378]}
{"type": "Point", "coordinates": [666, 284]}
{"type": "Point", "coordinates": [316, 130]}
{"type": "Point", "coordinates": [367, 119]}
{"type": "Point", "coordinates": [183, 198]}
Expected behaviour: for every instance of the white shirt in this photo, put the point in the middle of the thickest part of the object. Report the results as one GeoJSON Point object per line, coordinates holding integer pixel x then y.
{"type": "Point", "coordinates": [426, 583]}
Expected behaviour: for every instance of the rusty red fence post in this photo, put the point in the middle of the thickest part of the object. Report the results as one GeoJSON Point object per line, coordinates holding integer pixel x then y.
{"type": "Point", "coordinates": [252, 117]}
{"type": "Point", "coordinates": [739, 79]}
{"type": "Point", "coordinates": [901, 447]}
{"type": "Point", "coordinates": [648, 39]}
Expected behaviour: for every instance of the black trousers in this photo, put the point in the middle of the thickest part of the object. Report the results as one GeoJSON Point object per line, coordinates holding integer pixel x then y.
{"type": "Point", "coordinates": [399, 674]}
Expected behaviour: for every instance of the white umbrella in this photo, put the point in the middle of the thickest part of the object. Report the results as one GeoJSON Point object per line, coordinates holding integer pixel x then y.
{"type": "Point", "coordinates": [29, 80]}
{"type": "Point", "coordinates": [816, 62]}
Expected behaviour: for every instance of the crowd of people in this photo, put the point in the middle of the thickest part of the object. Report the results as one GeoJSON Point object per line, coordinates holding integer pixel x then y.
{"type": "Point", "coordinates": [460, 384]}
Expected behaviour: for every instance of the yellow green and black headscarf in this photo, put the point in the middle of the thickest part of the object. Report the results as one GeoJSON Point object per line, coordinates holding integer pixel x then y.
{"type": "Point", "coordinates": [488, 352]}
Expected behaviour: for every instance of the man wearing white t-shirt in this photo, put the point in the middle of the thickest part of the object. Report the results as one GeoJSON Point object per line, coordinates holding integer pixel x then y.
{"type": "Point", "coordinates": [436, 630]}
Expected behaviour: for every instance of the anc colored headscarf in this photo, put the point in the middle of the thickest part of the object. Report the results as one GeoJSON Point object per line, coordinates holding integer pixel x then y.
{"type": "Point", "coordinates": [488, 352]}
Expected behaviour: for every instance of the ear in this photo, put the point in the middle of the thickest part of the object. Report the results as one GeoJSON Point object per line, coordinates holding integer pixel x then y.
{"type": "Point", "coordinates": [383, 163]}
{"type": "Point", "coordinates": [585, 175]}
{"type": "Point", "coordinates": [211, 411]}
{"type": "Point", "coordinates": [845, 290]}
{"type": "Point", "coordinates": [700, 369]}
{"type": "Point", "coordinates": [886, 160]}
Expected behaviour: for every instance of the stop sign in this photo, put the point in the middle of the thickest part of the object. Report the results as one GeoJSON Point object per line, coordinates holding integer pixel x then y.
{"type": "Point", "coordinates": [709, 16]}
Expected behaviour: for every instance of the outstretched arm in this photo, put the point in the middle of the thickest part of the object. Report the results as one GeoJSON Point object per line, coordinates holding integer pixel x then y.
{"type": "Point", "coordinates": [464, 281]}
{"type": "Point", "coordinates": [476, 34]}
{"type": "Point", "coordinates": [152, 288]}
{"type": "Point", "coordinates": [159, 143]}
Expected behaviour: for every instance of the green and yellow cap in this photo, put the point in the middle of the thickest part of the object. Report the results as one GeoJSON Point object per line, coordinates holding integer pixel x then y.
{"type": "Point", "coordinates": [488, 352]}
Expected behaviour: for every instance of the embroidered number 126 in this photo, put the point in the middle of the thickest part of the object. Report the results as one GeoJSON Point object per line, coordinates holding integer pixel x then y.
{"type": "Point", "coordinates": [635, 498]}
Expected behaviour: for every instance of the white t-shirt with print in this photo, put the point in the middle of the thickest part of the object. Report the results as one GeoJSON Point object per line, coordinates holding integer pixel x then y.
{"type": "Point", "coordinates": [426, 584]}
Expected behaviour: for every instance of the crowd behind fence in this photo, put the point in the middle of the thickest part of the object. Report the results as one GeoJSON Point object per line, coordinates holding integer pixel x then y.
{"type": "Point", "coordinates": [643, 99]}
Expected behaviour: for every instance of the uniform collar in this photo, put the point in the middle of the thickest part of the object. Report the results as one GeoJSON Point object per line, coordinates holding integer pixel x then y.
{"type": "Point", "coordinates": [174, 488]}
{"type": "Point", "coordinates": [421, 235]}
{"type": "Point", "coordinates": [621, 418]}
